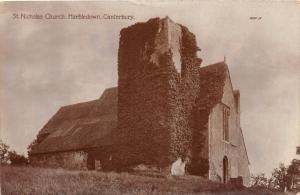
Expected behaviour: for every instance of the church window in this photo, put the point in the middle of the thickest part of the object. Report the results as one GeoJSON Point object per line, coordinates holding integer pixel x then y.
{"type": "Point", "coordinates": [226, 123]}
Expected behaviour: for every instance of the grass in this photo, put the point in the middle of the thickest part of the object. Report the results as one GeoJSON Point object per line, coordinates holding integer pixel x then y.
{"type": "Point", "coordinates": [39, 181]}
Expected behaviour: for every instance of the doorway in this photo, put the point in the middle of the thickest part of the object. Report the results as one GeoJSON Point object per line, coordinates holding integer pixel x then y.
{"type": "Point", "coordinates": [225, 169]}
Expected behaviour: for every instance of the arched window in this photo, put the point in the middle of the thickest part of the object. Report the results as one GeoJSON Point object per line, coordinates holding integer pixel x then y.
{"type": "Point", "coordinates": [226, 123]}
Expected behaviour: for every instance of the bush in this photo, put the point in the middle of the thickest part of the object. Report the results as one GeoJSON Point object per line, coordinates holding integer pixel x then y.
{"type": "Point", "coordinates": [11, 157]}
{"type": "Point", "coordinates": [17, 159]}
{"type": "Point", "coordinates": [4, 152]}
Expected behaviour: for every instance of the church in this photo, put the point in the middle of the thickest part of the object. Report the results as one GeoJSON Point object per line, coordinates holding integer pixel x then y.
{"type": "Point", "coordinates": [166, 106]}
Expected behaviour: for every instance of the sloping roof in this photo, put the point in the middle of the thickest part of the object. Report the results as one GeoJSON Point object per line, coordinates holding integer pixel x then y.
{"type": "Point", "coordinates": [83, 125]}
{"type": "Point", "coordinates": [212, 81]}
{"type": "Point", "coordinates": [89, 124]}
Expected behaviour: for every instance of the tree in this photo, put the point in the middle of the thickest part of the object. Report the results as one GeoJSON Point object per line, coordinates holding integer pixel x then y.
{"type": "Point", "coordinates": [17, 159]}
{"type": "Point", "coordinates": [281, 178]}
{"type": "Point", "coordinates": [11, 157]}
{"type": "Point", "coordinates": [3, 152]}
{"type": "Point", "coordinates": [293, 172]}
{"type": "Point", "coordinates": [259, 180]}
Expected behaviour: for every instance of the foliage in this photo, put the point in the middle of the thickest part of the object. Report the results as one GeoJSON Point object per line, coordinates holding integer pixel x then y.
{"type": "Point", "coordinates": [293, 171]}
{"type": "Point", "coordinates": [260, 180]}
{"type": "Point", "coordinates": [17, 159]}
{"type": "Point", "coordinates": [283, 177]}
{"type": "Point", "coordinates": [280, 177]}
{"type": "Point", "coordinates": [11, 157]}
{"type": "Point", "coordinates": [144, 66]}
{"type": "Point", "coordinates": [4, 149]}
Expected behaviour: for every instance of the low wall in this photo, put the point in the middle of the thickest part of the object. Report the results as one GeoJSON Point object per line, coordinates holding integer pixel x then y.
{"type": "Point", "coordinates": [69, 160]}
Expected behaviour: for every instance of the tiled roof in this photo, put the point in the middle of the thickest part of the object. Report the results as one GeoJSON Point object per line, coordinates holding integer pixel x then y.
{"type": "Point", "coordinates": [83, 125]}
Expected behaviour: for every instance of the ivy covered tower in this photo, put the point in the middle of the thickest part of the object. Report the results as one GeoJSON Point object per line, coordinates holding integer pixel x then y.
{"type": "Point", "coordinates": [158, 82]}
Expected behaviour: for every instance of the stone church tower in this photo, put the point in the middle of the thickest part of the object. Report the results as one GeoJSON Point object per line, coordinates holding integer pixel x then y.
{"type": "Point", "coordinates": [158, 71]}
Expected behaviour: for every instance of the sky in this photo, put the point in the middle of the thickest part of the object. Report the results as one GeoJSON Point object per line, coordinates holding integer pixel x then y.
{"type": "Point", "coordinates": [46, 64]}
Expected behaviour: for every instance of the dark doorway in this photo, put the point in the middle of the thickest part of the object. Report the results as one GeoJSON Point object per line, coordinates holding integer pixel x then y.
{"type": "Point", "coordinates": [90, 162]}
{"type": "Point", "coordinates": [225, 169]}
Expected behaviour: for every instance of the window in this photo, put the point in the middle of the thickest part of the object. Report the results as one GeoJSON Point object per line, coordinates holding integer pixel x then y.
{"type": "Point", "coordinates": [226, 123]}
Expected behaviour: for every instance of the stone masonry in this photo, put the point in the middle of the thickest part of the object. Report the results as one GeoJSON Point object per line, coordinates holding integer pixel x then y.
{"type": "Point", "coordinates": [69, 160]}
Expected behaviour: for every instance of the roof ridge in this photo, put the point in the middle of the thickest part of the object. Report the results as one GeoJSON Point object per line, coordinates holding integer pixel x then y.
{"type": "Point", "coordinates": [213, 65]}
{"type": "Point", "coordinates": [90, 101]}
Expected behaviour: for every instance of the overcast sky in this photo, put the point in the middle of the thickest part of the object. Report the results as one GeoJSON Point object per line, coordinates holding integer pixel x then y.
{"type": "Point", "coordinates": [46, 64]}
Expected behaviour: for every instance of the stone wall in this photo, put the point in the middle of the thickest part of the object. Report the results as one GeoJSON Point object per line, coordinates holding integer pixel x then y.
{"type": "Point", "coordinates": [234, 149]}
{"type": "Point", "coordinates": [219, 148]}
{"type": "Point", "coordinates": [68, 160]}
{"type": "Point", "coordinates": [158, 82]}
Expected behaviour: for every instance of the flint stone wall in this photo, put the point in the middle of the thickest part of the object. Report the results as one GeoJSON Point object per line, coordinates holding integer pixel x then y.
{"type": "Point", "coordinates": [68, 160]}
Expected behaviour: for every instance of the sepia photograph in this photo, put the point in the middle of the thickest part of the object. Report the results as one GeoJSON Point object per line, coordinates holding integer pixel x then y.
{"type": "Point", "coordinates": [150, 97]}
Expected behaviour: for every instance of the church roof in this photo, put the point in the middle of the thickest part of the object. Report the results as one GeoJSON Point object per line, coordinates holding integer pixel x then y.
{"type": "Point", "coordinates": [90, 124]}
{"type": "Point", "coordinates": [80, 126]}
{"type": "Point", "coordinates": [212, 82]}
